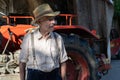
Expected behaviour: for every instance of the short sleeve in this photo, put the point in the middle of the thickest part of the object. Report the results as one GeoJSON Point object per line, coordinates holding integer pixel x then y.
{"type": "Point", "coordinates": [63, 53]}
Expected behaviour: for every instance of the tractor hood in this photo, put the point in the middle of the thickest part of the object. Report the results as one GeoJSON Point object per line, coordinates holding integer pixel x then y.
{"type": "Point", "coordinates": [81, 31]}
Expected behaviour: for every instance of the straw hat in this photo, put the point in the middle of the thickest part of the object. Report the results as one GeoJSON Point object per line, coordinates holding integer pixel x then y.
{"type": "Point", "coordinates": [42, 11]}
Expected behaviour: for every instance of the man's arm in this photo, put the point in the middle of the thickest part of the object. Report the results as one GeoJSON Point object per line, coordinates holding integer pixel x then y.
{"type": "Point", "coordinates": [63, 71]}
{"type": "Point", "coordinates": [22, 70]}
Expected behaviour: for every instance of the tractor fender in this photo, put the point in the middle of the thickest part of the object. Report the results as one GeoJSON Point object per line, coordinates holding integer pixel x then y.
{"type": "Point", "coordinates": [79, 30]}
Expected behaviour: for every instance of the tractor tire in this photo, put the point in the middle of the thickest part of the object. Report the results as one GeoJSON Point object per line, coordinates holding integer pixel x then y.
{"type": "Point", "coordinates": [81, 64]}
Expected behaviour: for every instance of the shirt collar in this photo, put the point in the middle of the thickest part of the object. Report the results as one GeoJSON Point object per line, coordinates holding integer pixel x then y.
{"type": "Point", "coordinates": [40, 36]}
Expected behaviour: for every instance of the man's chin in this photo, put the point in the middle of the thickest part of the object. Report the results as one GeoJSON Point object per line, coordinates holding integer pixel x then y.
{"type": "Point", "coordinates": [51, 29]}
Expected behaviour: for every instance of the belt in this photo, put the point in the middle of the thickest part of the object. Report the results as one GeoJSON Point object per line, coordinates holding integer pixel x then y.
{"type": "Point", "coordinates": [36, 70]}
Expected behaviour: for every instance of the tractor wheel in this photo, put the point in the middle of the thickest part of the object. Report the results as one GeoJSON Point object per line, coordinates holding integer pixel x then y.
{"type": "Point", "coordinates": [80, 65]}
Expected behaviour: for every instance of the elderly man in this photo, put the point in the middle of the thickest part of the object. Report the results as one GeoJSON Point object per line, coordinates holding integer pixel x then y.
{"type": "Point", "coordinates": [43, 51]}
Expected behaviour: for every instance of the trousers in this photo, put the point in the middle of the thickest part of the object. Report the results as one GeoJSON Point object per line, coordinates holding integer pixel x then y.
{"type": "Point", "coordinates": [33, 74]}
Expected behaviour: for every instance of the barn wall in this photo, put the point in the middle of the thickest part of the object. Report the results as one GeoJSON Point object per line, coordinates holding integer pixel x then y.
{"type": "Point", "coordinates": [95, 14]}
{"type": "Point", "coordinates": [3, 6]}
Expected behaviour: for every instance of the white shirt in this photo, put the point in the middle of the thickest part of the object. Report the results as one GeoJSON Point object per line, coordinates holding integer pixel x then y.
{"type": "Point", "coordinates": [47, 54]}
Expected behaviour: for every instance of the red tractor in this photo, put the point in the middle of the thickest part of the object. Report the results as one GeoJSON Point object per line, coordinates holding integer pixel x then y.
{"type": "Point", "coordinates": [86, 61]}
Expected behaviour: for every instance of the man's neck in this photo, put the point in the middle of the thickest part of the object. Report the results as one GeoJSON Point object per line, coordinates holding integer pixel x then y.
{"type": "Point", "coordinates": [44, 34]}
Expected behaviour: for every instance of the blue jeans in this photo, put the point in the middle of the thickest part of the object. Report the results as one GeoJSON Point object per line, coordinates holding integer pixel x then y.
{"type": "Point", "coordinates": [33, 74]}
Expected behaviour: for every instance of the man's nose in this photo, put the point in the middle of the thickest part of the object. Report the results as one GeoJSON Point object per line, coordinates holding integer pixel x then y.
{"type": "Point", "coordinates": [54, 22]}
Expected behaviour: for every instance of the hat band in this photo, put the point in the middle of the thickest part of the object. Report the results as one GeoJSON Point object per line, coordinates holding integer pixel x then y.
{"type": "Point", "coordinates": [46, 12]}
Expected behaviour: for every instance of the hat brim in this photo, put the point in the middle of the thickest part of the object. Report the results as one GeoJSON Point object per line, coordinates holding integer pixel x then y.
{"type": "Point", "coordinates": [53, 14]}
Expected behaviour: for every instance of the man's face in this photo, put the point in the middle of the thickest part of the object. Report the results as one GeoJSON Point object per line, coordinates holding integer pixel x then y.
{"type": "Point", "coordinates": [47, 24]}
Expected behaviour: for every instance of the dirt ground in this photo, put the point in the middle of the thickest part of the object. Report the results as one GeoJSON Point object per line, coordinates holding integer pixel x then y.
{"type": "Point", "coordinates": [10, 77]}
